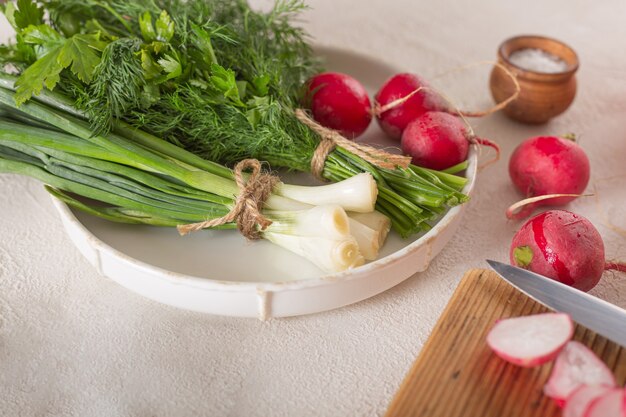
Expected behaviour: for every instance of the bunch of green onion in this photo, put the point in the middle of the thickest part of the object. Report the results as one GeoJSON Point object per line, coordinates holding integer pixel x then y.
{"type": "Point", "coordinates": [145, 180]}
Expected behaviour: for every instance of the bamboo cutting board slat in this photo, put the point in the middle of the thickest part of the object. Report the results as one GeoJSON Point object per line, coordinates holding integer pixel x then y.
{"type": "Point", "coordinates": [457, 375]}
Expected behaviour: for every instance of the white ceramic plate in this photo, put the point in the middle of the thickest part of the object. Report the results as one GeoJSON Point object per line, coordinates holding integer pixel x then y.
{"type": "Point", "coordinates": [218, 272]}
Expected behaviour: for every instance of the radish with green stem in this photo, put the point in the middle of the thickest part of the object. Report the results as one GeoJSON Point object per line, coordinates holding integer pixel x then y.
{"type": "Point", "coordinates": [546, 166]}
{"type": "Point", "coordinates": [563, 246]}
{"type": "Point", "coordinates": [339, 102]}
{"type": "Point", "coordinates": [439, 140]}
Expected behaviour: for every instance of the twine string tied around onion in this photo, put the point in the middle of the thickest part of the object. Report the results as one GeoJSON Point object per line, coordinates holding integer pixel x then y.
{"type": "Point", "coordinates": [246, 212]}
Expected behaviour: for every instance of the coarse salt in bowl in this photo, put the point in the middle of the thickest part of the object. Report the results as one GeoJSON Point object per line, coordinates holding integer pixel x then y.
{"type": "Point", "coordinates": [545, 70]}
{"type": "Point", "coordinates": [538, 60]}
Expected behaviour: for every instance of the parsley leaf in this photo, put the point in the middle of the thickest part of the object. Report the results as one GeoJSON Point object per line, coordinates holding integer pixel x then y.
{"type": "Point", "coordinates": [41, 35]}
{"type": "Point", "coordinates": [45, 71]}
{"type": "Point", "coordinates": [44, 37]}
{"type": "Point", "coordinates": [261, 85]}
{"type": "Point", "coordinates": [151, 69]}
{"type": "Point", "coordinates": [164, 27]}
{"type": "Point", "coordinates": [147, 28]}
{"type": "Point", "coordinates": [224, 81]}
{"type": "Point", "coordinates": [27, 13]}
{"type": "Point", "coordinates": [79, 51]}
{"type": "Point", "coordinates": [171, 66]}
{"type": "Point", "coordinates": [202, 41]}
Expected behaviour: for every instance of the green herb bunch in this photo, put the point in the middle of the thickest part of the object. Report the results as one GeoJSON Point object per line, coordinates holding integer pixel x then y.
{"type": "Point", "coordinates": [214, 77]}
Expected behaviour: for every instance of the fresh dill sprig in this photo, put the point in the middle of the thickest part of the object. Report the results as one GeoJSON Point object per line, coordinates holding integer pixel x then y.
{"type": "Point", "coordinates": [118, 83]}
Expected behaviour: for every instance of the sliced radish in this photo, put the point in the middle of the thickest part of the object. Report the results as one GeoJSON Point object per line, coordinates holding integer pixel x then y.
{"type": "Point", "coordinates": [581, 398]}
{"type": "Point", "coordinates": [531, 340]}
{"type": "Point", "coordinates": [576, 365]}
{"type": "Point", "coordinates": [611, 404]}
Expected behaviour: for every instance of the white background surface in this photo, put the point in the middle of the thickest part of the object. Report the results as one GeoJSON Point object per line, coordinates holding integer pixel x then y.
{"type": "Point", "coordinates": [73, 343]}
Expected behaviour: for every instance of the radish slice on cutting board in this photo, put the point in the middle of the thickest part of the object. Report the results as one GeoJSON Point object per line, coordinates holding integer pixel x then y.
{"type": "Point", "coordinates": [576, 365]}
{"type": "Point", "coordinates": [531, 340]}
{"type": "Point", "coordinates": [611, 404]}
{"type": "Point", "coordinates": [581, 398]}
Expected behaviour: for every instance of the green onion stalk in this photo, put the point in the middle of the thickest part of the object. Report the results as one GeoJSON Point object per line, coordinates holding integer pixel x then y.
{"type": "Point", "coordinates": [214, 77]}
{"type": "Point", "coordinates": [156, 183]}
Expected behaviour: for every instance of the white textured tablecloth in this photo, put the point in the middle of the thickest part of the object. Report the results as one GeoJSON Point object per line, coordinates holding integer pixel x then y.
{"type": "Point", "coordinates": [73, 343]}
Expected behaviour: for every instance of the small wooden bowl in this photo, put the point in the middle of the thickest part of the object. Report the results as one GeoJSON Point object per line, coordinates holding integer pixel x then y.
{"type": "Point", "coordinates": [542, 95]}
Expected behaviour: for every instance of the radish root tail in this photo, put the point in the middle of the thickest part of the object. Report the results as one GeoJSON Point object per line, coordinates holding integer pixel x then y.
{"type": "Point", "coordinates": [615, 266]}
{"type": "Point", "coordinates": [498, 106]}
{"type": "Point", "coordinates": [524, 208]}
{"type": "Point", "coordinates": [519, 212]}
{"type": "Point", "coordinates": [378, 109]}
{"type": "Point", "coordinates": [487, 142]}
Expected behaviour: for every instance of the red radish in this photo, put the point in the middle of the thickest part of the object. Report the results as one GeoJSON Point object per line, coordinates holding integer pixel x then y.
{"type": "Point", "coordinates": [404, 97]}
{"type": "Point", "coordinates": [546, 165]}
{"type": "Point", "coordinates": [531, 340]}
{"type": "Point", "coordinates": [581, 398]}
{"type": "Point", "coordinates": [406, 101]}
{"type": "Point", "coordinates": [563, 246]}
{"type": "Point", "coordinates": [610, 404]}
{"type": "Point", "coordinates": [339, 102]}
{"type": "Point", "coordinates": [576, 365]}
{"type": "Point", "coordinates": [439, 140]}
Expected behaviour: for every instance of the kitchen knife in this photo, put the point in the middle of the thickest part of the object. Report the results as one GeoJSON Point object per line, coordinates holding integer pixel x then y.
{"type": "Point", "coordinates": [598, 315]}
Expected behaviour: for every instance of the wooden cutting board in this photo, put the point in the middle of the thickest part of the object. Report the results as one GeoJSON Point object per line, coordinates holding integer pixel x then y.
{"type": "Point", "coordinates": [457, 375]}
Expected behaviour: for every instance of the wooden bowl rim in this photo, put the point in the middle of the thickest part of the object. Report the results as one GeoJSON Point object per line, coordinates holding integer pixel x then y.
{"type": "Point", "coordinates": [544, 76]}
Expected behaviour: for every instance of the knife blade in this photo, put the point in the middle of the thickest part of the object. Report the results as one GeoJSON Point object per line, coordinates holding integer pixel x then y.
{"type": "Point", "coordinates": [598, 315]}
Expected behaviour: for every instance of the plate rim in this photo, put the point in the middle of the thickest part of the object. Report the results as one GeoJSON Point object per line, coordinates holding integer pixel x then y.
{"type": "Point", "coordinates": [268, 299]}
